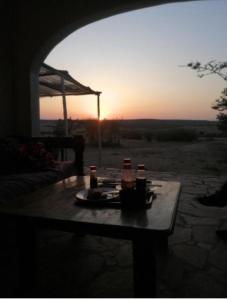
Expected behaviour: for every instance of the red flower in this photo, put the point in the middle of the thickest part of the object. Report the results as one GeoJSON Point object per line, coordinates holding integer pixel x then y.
{"type": "Point", "coordinates": [23, 149]}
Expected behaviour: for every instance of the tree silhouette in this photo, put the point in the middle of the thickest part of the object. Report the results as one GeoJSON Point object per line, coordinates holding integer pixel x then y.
{"type": "Point", "coordinates": [212, 67]}
{"type": "Point", "coordinates": [219, 198]}
{"type": "Point", "coordinates": [220, 69]}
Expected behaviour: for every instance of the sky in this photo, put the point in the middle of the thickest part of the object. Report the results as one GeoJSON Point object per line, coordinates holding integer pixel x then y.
{"type": "Point", "coordinates": [136, 60]}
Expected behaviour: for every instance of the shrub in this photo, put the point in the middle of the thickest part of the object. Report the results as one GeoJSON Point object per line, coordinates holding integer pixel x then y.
{"type": "Point", "coordinates": [148, 136]}
{"type": "Point", "coordinates": [131, 135]}
{"type": "Point", "coordinates": [177, 135]}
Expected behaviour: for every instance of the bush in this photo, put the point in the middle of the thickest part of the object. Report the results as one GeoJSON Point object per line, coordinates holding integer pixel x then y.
{"type": "Point", "coordinates": [148, 136]}
{"type": "Point", "coordinates": [176, 135]}
{"type": "Point", "coordinates": [131, 135]}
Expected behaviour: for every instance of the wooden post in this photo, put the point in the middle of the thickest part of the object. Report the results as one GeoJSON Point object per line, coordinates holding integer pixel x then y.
{"type": "Point", "coordinates": [64, 107]}
{"type": "Point", "coordinates": [99, 131]}
{"type": "Point", "coordinates": [144, 267]}
{"type": "Point", "coordinates": [64, 153]}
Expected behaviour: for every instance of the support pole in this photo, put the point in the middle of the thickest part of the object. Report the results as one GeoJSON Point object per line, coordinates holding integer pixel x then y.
{"type": "Point", "coordinates": [64, 151]}
{"type": "Point", "coordinates": [64, 107]}
{"type": "Point", "coordinates": [99, 131]}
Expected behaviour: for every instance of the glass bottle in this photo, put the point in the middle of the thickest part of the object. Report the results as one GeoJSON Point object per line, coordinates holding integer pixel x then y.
{"type": "Point", "coordinates": [128, 177]}
{"type": "Point", "coordinates": [141, 178]}
{"type": "Point", "coordinates": [93, 177]}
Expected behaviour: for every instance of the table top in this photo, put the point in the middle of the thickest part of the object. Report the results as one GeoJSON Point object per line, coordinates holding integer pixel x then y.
{"type": "Point", "coordinates": [54, 206]}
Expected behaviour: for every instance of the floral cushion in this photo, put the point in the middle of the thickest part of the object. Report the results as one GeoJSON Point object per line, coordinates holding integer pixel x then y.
{"type": "Point", "coordinates": [13, 185]}
{"type": "Point", "coordinates": [35, 156]}
{"type": "Point", "coordinates": [18, 157]}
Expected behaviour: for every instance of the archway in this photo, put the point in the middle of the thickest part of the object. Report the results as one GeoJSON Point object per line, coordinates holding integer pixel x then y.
{"type": "Point", "coordinates": [66, 19]}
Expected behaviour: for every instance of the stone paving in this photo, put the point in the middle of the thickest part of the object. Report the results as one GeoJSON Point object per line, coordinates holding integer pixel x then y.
{"type": "Point", "coordinates": [87, 266]}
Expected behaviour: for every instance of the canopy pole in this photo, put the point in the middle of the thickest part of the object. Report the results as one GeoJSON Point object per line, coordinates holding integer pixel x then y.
{"type": "Point", "coordinates": [64, 151]}
{"type": "Point", "coordinates": [99, 131]}
{"type": "Point", "coordinates": [64, 107]}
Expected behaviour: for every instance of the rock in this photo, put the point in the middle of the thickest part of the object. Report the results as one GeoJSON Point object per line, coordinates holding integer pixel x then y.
{"type": "Point", "coordinates": [200, 285]}
{"type": "Point", "coordinates": [180, 221]}
{"type": "Point", "coordinates": [205, 246]}
{"type": "Point", "coordinates": [193, 255]}
{"type": "Point", "coordinates": [117, 283]}
{"type": "Point", "coordinates": [169, 266]}
{"type": "Point", "coordinates": [190, 220]}
{"type": "Point", "coordinates": [204, 234]}
{"type": "Point", "coordinates": [218, 274]}
{"type": "Point", "coordinates": [124, 256]}
{"type": "Point", "coordinates": [180, 235]}
{"type": "Point", "coordinates": [89, 245]}
{"type": "Point", "coordinates": [87, 269]}
{"type": "Point", "coordinates": [194, 189]}
{"type": "Point", "coordinates": [218, 256]}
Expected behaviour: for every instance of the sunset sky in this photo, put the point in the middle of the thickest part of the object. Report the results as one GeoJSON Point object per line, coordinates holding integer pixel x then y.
{"type": "Point", "coordinates": [134, 59]}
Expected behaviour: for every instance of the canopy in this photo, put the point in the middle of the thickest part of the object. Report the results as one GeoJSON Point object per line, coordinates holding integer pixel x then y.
{"type": "Point", "coordinates": [50, 83]}
{"type": "Point", "coordinates": [53, 82]}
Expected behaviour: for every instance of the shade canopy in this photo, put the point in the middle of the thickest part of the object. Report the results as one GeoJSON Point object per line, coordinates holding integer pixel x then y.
{"type": "Point", "coordinates": [53, 83]}
{"type": "Point", "coordinates": [50, 83]}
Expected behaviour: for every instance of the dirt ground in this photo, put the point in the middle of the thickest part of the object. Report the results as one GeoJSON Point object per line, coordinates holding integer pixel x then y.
{"type": "Point", "coordinates": [201, 157]}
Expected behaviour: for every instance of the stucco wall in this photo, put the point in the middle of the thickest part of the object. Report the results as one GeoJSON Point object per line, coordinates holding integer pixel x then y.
{"type": "Point", "coordinates": [6, 84]}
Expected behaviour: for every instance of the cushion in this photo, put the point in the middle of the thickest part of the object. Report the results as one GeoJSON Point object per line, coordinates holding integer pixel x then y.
{"type": "Point", "coordinates": [14, 185]}
{"type": "Point", "coordinates": [16, 157]}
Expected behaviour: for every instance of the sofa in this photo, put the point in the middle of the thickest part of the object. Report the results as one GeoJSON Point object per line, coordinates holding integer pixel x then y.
{"type": "Point", "coordinates": [27, 164]}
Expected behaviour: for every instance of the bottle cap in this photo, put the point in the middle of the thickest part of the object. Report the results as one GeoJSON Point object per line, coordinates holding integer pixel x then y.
{"type": "Point", "coordinates": [140, 167]}
{"type": "Point", "coordinates": [93, 168]}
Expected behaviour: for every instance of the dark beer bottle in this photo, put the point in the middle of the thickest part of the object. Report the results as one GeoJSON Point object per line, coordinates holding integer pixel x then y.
{"type": "Point", "coordinates": [93, 177]}
{"type": "Point", "coordinates": [140, 178]}
{"type": "Point", "coordinates": [128, 177]}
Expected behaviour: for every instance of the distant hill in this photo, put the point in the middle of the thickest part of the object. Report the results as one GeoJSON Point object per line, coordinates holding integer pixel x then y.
{"type": "Point", "coordinates": [160, 124]}
{"type": "Point", "coordinates": [148, 125]}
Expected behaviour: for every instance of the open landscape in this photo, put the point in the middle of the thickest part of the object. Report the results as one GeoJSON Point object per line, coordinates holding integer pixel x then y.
{"type": "Point", "coordinates": [179, 146]}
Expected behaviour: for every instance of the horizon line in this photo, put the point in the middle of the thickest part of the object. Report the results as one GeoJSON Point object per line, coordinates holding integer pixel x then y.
{"type": "Point", "coordinates": [131, 119]}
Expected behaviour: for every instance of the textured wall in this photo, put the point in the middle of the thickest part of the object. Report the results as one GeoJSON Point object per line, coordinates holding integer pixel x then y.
{"type": "Point", "coordinates": [6, 84]}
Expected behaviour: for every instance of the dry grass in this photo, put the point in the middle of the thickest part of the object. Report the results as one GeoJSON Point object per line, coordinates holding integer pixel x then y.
{"type": "Point", "coordinates": [201, 157]}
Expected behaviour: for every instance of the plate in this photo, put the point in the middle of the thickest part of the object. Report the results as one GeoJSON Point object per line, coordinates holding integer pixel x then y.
{"type": "Point", "coordinates": [108, 194]}
{"type": "Point", "coordinates": [108, 182]}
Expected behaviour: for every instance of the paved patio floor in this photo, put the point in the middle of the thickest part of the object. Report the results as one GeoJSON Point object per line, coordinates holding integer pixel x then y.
{"type": "Point", "coordinates": [89, 266]}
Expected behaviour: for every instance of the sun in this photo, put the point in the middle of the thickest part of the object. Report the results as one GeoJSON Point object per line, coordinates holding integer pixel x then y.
{"type": "Point", "coordinates": [104, 114]}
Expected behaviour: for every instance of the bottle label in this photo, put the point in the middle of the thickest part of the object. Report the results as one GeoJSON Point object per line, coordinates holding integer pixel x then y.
{"type": "Point", "coordinates": [125, 184]}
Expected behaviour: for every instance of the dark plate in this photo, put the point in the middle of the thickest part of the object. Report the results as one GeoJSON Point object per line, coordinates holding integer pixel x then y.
{"type": "Point", "coordinates": [108, 194]}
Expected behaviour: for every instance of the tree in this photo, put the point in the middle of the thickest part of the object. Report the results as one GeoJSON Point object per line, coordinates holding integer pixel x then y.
{"type": "Point", "coordinates": [212, 67]}
{"type": "Point", "coordinates": [220, 69]}
{"type": "Point", "coordinates": [219, 198]}
{"type": "Point", "coordinates": [110, 132]}
{"type": "Point", "coordinates": [221, 106]}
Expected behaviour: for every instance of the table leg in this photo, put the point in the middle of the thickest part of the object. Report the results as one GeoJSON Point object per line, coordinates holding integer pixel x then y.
{"type": "Point", "coordinates": [26, 260]}
{"type": "Point", "coordinates": [162, 245]}
{"type": "Point", "coordinates": [144, 268]}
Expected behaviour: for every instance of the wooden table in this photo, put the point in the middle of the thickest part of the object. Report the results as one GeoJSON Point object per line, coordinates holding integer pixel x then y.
{"type": "Point", "coordinates": [54, 207]}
